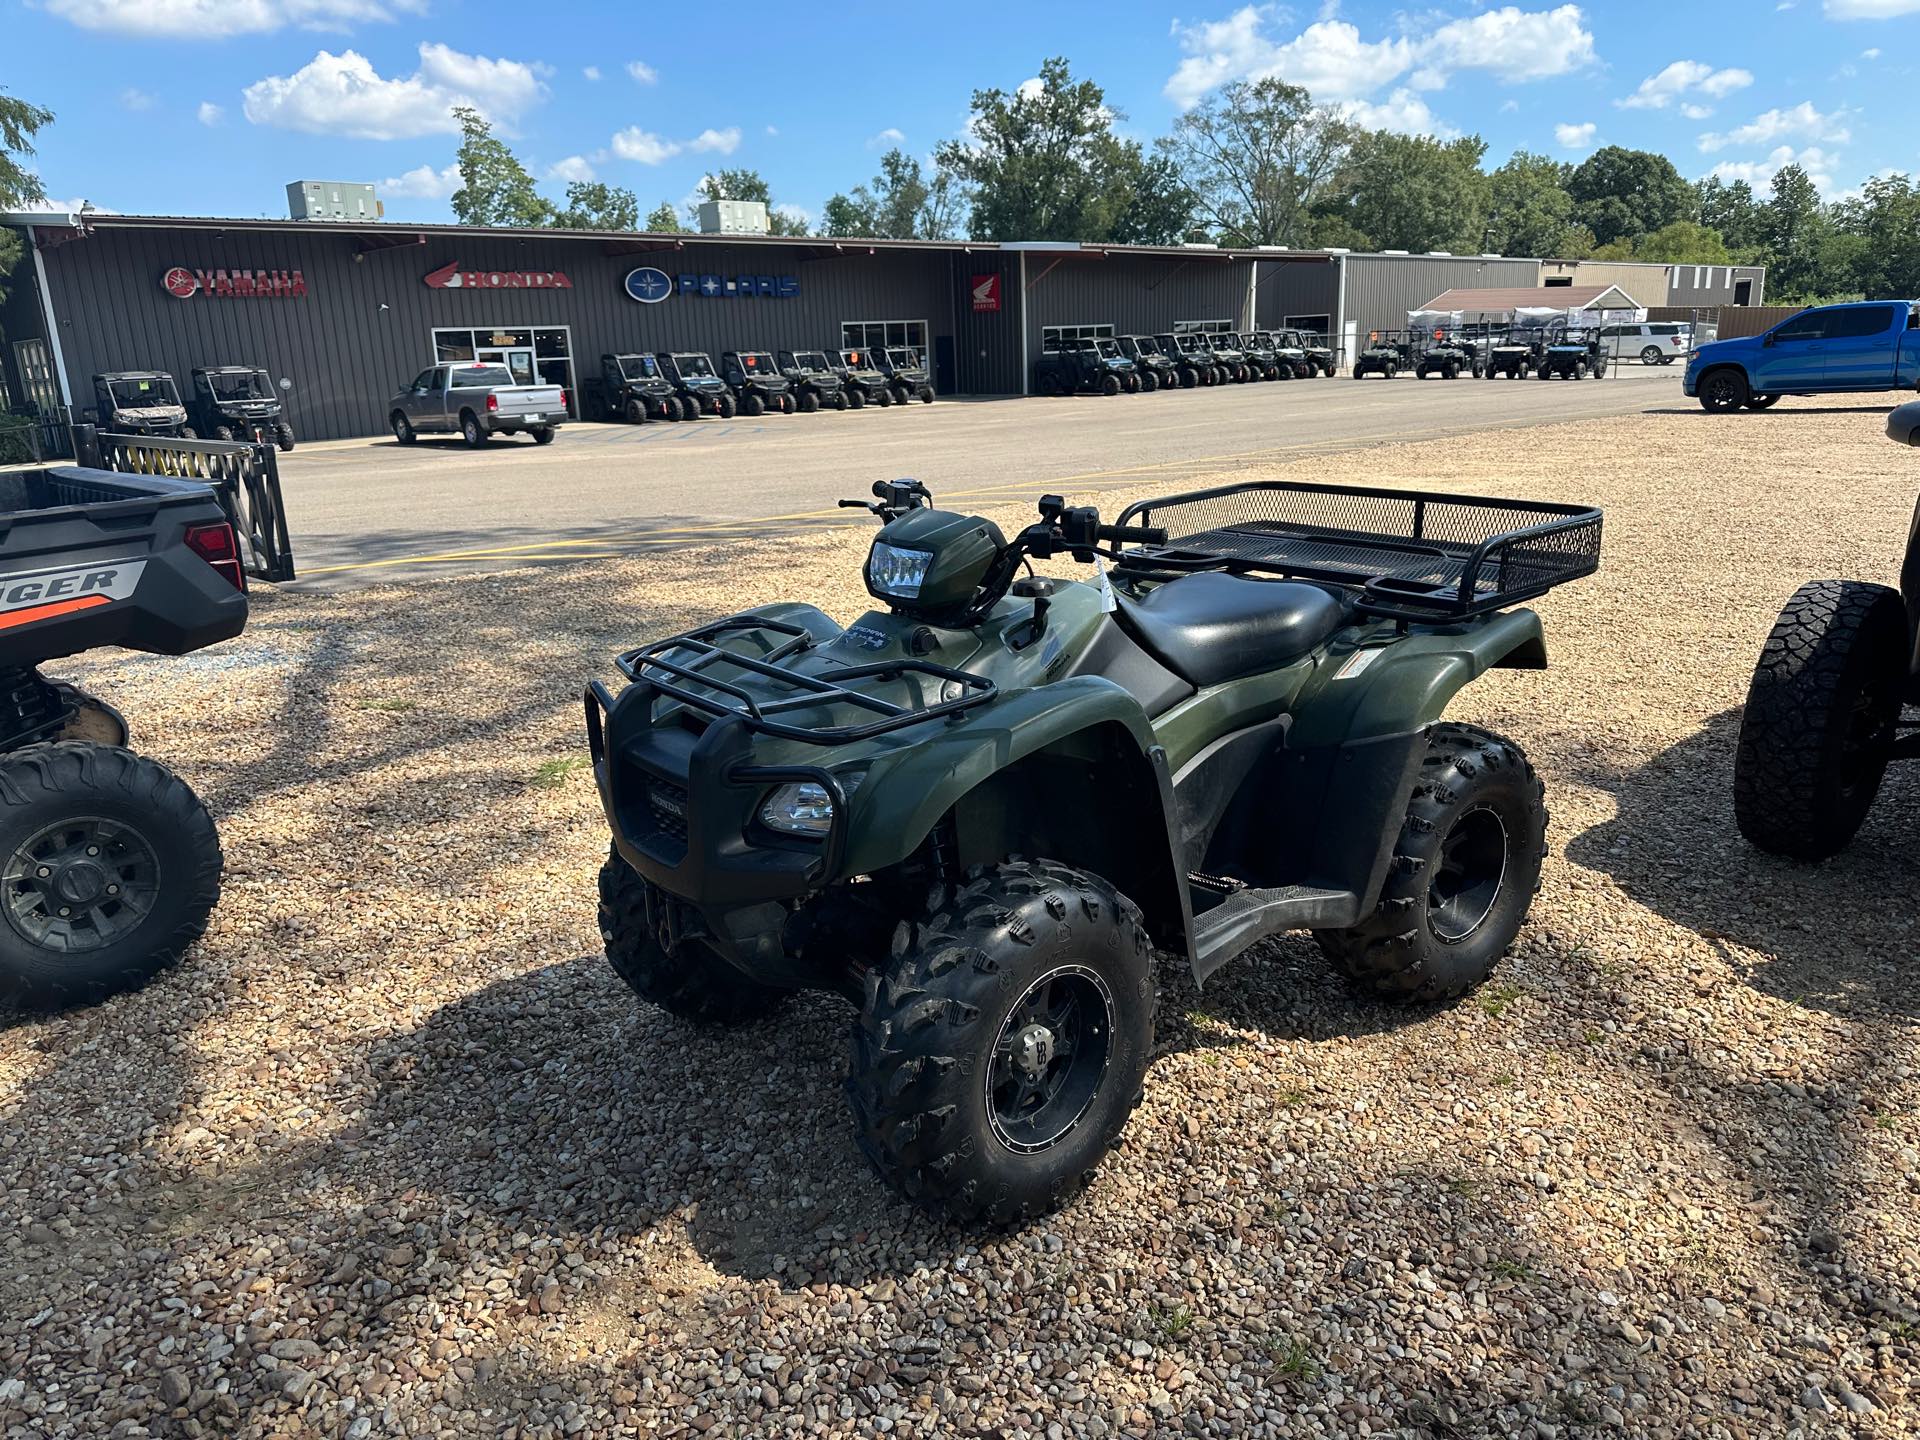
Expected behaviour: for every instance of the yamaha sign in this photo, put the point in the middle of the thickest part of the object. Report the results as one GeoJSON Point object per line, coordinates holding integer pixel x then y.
{"type": "Point", "coordinates": [650, 286]}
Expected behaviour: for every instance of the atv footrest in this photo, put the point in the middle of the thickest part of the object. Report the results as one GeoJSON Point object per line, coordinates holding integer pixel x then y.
{"type": "Point", "coordinates": [1245, 916]}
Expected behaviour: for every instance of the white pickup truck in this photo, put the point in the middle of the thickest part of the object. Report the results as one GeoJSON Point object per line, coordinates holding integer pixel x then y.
{"type": "Point", "coordinates": [477, 400]}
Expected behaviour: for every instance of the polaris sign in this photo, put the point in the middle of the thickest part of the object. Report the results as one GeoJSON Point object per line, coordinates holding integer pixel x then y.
{"type": "Point", "coordinates": [650, 286]}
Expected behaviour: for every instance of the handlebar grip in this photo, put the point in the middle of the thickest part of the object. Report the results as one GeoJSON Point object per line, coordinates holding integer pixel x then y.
{"type": "Point", "coordinates": [855, 505]}
{"type": "Point", "coordinates": [1134, 534]}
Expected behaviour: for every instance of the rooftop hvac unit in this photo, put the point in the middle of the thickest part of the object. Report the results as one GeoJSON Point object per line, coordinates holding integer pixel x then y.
{"type": "Point", "coordinates": [733, 217]}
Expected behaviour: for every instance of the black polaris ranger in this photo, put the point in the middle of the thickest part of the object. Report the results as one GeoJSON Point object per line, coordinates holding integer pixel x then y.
{"type": "Point", "coordinates": [238, 402]}
{"type": "Point", "coordinates": [633, 388]}
{"type": "Point", "coordinates": [1084, 367]}
{"type": "Point", "coordinates": [700, 391]}
{"type": "Point", "coordinates": [109, 865]}
{"type": "Point", "coordinates": [816, 384]}
{"type": "Point", "coordinates": [1155, 367]}
{"type": "Point", "coordinates": [906, 373]}
{"type": "Point", "coordinates": [757, 384]}
{"type": "Point", "coordinates": [140, 402]}
{"type": "Point", "coordinates": [1198, 365]}
{"type": "Point", "coordinates": [864, 382]}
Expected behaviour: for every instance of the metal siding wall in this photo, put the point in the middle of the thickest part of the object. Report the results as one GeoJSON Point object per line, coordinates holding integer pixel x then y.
{"type": "Point", "coordinates": [1646, 283]}
{"type": "Point", "coordinates": [1382, 289]}
{"type": "Point", "coordinates": [365, 326]}
{"type": "Point", "coordinates": [1296, 287]}
{"type": "Point", "coordinates": [1713, 284]}
{"type": "Point", "coordinates": [1135, 295]}
{"type": "Point", "coordinates": [986, 345]}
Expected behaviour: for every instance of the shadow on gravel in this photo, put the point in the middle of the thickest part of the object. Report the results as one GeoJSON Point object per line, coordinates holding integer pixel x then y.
{"type": "Point", "coordinates": [1752, 415]}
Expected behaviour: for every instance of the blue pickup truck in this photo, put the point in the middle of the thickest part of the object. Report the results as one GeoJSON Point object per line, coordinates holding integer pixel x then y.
{"type": "Point", "coordinates": [1874, 345]}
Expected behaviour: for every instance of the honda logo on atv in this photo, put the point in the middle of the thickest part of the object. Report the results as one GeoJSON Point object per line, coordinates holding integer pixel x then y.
{"type": "Point", "coordinates": [452, 277]}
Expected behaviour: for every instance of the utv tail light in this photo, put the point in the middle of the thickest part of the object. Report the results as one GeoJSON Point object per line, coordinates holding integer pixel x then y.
{"type": "Point", "coordinates": [493, 401]}
{"type": "Point", "coordinates": [220, 548]}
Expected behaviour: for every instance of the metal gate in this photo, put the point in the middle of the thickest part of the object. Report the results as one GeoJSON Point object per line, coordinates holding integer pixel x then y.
{"type": "Point", "coordinates": [245, 477]}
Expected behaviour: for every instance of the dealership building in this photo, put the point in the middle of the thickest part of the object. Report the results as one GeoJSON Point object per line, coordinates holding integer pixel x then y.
{"type": "Point", "coordinates": [347, 311]}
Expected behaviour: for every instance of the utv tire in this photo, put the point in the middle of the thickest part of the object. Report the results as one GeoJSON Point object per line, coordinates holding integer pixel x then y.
{"type": "Point", "coordinates": [840, 401]}
{"type": "Point", "coordinates": [691, 982]}
{"type": "Point", "coordinates": [1189, 377]}
{"type": "Point", "coordinates": [283, 437]}
{"type": "Point", "coordinates": [472, 431]}
{"type": "Point", "coordinates": [222, 432]}
{"type": "Point", "coordinates": [809, 403]}
{"type": "Point", "coordinates": [855, 399]}
{"type": "Point", "coordinates": [120, 845]}
{"type": "Point", "coordinates": [1463, 873]}
{"type": "Point", "coordinates": [926, 396]}
{"type": "Point", "coordinates": [636, 413]}
{"type": "Point", "coordinates": [751, 405]}
{"type": "Point", "coordinates": [725, 408]}
{"type": "Point", "coordinates": [1109, 384]}
{"type": "Point", "coordinates": [187, 432]}
{"type": "Point", "coordinates": [1149, 382]}
{"type": "Point", "coordinates": [1003, 1044]}
{"type": "Point", "coordinates": [1132, 384]}
{"type": "Point", "coordinates": [1820, 718]}
{"type": "Point", "coordinates": [1723, 391]}
{"type": "Point", "coordinates": [787, 405]}
{"type": "Point", "coordinates": [883, 398]}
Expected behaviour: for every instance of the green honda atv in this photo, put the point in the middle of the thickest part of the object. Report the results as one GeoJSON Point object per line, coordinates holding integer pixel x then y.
{"type": "Point", "coordinates": [979, 811]}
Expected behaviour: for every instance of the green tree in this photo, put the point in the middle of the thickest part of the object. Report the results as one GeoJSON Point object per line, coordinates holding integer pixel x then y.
{"type": "Point", "coordinates": [663, 219]}
{"type": "Point", "coordinates": [1529, 211]}
{"type": "Point", "coordinates": [1258, 155]}
{"type": "Point", "coordinates": [1043, 163]}
{"type": "Point", "coordinates": [1684, 242]}
{"type": "Point", "coordinates": [19, 186]}
{"type": "Point", "coordinates": [1413, 192]}
{"type": "Point", "coordinates": [1729, 208]}
{"type": "Point", "coordinates": [1886, 221]}
{"type": "Point", "coordinates": [1621, 249]}
{"type": "Point", "coordinates": [592, 205]}
{"type": "Point", "coordinates": [1622, 193]}
{"type": "Point", "coordinates": [902, 203]}
{"type": "Point", "coordinates": [743, 184]}
{"type": "Point", "coordinates": [495, 188]}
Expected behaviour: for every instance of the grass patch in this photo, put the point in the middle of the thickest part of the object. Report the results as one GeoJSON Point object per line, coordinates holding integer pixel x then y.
{"type": "Point", "coordinates": [1505, 1269]}
{"type": "Point", "coordinates": [1496, 1000]}
{"type": "Point", "coordinates": [552, 774]}
{"type": "Point", "coordinates": [1175, 1322]}
{"type": "Point", "coordinates": [391, 707]}
{"type": "Point", "coordinates": [1292, 1359]}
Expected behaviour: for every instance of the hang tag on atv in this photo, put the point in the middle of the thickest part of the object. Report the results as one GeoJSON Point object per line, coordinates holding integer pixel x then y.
{"type": "Point", "coordinates": [1107, 603]}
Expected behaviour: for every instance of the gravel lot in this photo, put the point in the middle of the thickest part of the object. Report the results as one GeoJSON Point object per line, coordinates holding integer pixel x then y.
{"type": "Point", "coordinates": [394, 1153]}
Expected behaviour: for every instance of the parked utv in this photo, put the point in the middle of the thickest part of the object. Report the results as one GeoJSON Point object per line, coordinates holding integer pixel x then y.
{"type": "Point", "coordinates": [906, 373]}
{"type": "Point", "coordinates": [1157, 369]}
{"type": "Point", "coordinates": [109, 864]}
{"type": "Point", "coordinates": [140, 402]}
{"type": "Point", "coordinates": [1383, 356]}
{"type": "Point", "coordinates": [700, 391]}
{"type": "Point", "coordinates": [756, 383]}
{"type": "Point", "coordinates": [815, 383]}
{"type": "Point", "coordinates": [238, 402]}
{"type": "Point", "coordinates": [1231, 356]}
{"type": "Point", "coordinates": [1449, 358]}
{"type": "Point", "coordinates": [1263, 357]}
{"type": "Point", "coordinates": [1573, 355]}
{"type": "Point", "coordinates": [1291, 353]}
{"type": "Point", "coordinates": [978, 811]}
{"type": "Point", "coordinates": [633, 388]}
{"type": "Point", "coordinates": [864, 382]}
{"type": "Point", "coordinates": [1825, 713]}
{"type": "Point", "coordinates": [1515, 354]}
{"type": "Point", "coordinates": [1084, 367]}
{"type": "Point", "coordinates": [1195, 358]}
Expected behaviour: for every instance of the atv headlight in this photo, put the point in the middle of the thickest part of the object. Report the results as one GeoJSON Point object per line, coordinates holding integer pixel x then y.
{"type": "Point", "coordinates": [897, 572]}
{"type": "Point", "coordinates": [804, 808]}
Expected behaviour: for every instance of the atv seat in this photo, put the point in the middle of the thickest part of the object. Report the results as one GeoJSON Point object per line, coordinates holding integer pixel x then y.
{"type": "Point", "coordinates": [1210, 628]}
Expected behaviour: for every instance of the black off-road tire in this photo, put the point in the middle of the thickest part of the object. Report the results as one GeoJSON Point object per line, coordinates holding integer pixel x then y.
{"type": "Point", "coordinates": [788, 404]}
{"type": "Point", "coordinates": [1149, 382]}
{"type": "Point", "coordinates": [1189, 377]}
{"type": "Point", "coordinates": [1723, 391]}
{"type": "Point", "coordinates": [283, 437]}
{"type": "Point", "coordinates": [926, 396]}
{"type": "Point", "coordinates": [840, 400]}
{"type": "Point", "coordinates": [1109, 384]}
{"type": "Point", "coordinates": [691, 982]}
{"type": "Point", "coordinates": [924, 1067]}
{"type": "Point", "coordinates": [883, 398]}
{"type": "Point", "coordinates": [809, 403]}
{"type": "Point", "coordinates": [636, 413]}
{"type": "Point", "coordinates": [725, 407]}
{"type": "Point", "coordinates": [45, 789]}
{"type": "Point", "coordinates": [1820, 713]}
{"type": "Point", "coordinates": [856, 399]}
{"type": "Point", "coordinates": [1475, 791]}
{"type": "Point", "coordinates": [751, 405]}
{"type": "Point", "coordinates": [223, 432]}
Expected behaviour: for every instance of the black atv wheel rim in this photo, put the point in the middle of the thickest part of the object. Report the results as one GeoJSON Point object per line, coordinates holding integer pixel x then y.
{"type": "Point", "coordinates": [1468, 876]}
{"type": "Point", "coordinates": [1049, 1059]}
{"type": "Point", "coordinates": [80, 884]}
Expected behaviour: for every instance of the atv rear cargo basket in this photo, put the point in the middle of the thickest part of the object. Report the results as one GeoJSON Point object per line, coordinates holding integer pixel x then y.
{"type": "Point", "coordinates": [1412, 555]}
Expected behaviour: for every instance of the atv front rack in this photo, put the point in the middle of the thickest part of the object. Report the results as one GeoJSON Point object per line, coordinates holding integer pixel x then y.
{"type": "Point", "coordinates": [1411, 555]}
{"type": "Point", "coordinates": [675, 667]}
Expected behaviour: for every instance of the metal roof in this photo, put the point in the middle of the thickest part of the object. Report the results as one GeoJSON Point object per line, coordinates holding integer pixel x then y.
{"type": "Point", "coordinates": [1500, 299]}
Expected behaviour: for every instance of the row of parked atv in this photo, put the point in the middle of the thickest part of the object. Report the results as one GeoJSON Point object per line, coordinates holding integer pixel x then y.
{"type": "Point", "coordinates": [1184, 361]}
{"type": "Point", "coordinates": [1516, 354]}
{"type": "Point", "coordinates": [229, 402]}
{"type": "Point", "coordinates": [684, 385]}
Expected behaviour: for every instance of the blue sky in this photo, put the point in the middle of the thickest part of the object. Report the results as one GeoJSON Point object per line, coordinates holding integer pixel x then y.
{"type": "Point", "coordinates": [211, 106]}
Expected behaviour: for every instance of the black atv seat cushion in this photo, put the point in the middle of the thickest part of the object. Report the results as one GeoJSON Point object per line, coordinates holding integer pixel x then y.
{"type": "Point", "coordinates": [1210, 628]}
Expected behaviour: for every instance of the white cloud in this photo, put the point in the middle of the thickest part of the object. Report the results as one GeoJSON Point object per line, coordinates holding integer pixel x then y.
{"type": "Point", "coordinates": [135, 99]}
{"type": "Point", "coordinates": [716, 142]}
{"type": "Point", "coordinates": [210, 113]}
{"type": "Point", "coordinates": [887, 137]}
{"type": "Point", "coordinates": [1575, 137]}
{"type": "Point", "coordinates": [644, 146]}
{"type": "Point", "coordinates": [1332, 60]}
{"type": "Point", "coordinates": [1696, 112]}
{"type": "Point", "coordinates": [1871, 9]}
{"type": "Point", "coordinates": [1801, 122]}
{"type": "Point", "coordinates": [62, 207]}
{"type": "Point", "coordinates": [574, 167]}
{"type": "Point", "coordinates": [592, 72]}
{"type": "Point", "coordinates": [1759, 174]}
{"type": "Point", "coordinates": [1685, 77]}
{"type": "Point", "coordinates": [1509, 107]}
{"type": "Point", "coordinates": [199, 19]}
{"type": "Point", "coordinates": [1403, 111]}
{"type": "Point", "coordinates": [343, 95]}
{"type": "Point", "coordinates": [773, 129]}
{"type": "Point", "coordinates": [1871, 53]}
{"type": "Point", "coordinates": [644, 73]}
{"type": "Point", "coordinates": [423, 182]}
{"type": "Point", "coordinates": [795, 212]}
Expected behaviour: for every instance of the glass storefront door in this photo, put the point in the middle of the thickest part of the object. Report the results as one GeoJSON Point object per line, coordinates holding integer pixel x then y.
{"type": "Point", "coordinates": [518, 361]}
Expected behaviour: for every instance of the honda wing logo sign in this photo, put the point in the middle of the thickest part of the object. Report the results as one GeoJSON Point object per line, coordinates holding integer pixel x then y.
{"type": "Point", "coordinates": [986, 293]}
{"type": "Point", "coordinates": [648, 285]}
{"type": "Point", "coordinates": [452, 277]}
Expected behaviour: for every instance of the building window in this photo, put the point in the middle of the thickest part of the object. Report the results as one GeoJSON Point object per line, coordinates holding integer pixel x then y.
{"type": "Point", "coordinates": [544, 355]}
{"type": "Point", "coordinates": [1052, 335]}
{"type": "Point", "coordinates": [1555, 282]}
{"type": "Point", "coordinates": [878, 334]}
{"type": "Point", "coordinates": [1204, 327]}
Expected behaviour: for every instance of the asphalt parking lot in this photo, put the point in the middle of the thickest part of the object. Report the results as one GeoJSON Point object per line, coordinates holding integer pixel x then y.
{"type": "Point", "coordinates": [363, 510]}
